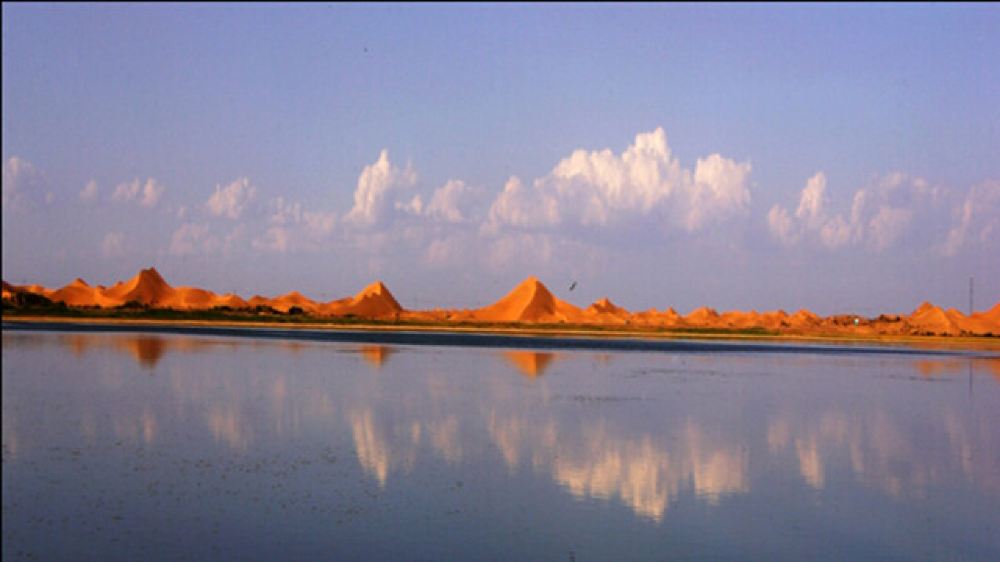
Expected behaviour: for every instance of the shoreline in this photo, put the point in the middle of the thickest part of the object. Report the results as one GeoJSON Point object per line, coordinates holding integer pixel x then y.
{"type": "Point", "coordinates": [530, 336]}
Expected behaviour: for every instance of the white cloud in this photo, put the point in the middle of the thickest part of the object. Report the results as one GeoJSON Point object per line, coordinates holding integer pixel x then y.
{"type": "Point", "coordinates": [522, 207]}
{"type": "Point", "coordinates": [231, 200]}
{"type": "Point", "coordinates": [448, 200]}
{"type": "Point", "coordinates": [193, 238]}
{"type": "Point", "coordinates": [89, 191]}
{"type": "Point", "coordinates": [781, 226]}
{"type": "Point", "coordinates": [374, 185]}
{"type": "Point", "coordinates": [880, 214]}
{"type": "Point", "coordinates": [976, 219]}
{"type": "Point", "coordinates": [275, 239]}
{"type": "Point", "coordinates": [21, 183]}
{"type": "Point", "coordinates": [810, 208]}
{"type": "Point", "coordinates": [146, 193]}
{"type": "Point", "coordinates": [290, 228]}
{"type": "Point", "coordinates": [600, 188]}
{"type": "Point", "coordinates": [113, 245]}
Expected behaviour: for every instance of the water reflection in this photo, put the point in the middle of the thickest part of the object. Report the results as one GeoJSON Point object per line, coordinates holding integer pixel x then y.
{"type": "Point", "coordinates": [950, 367]}
{"type": "Point", "coordinates": [531, 364]}
{"type": "Point", "coordinates": [376, 355]}
{"type": "Point", "coordinates": [707, 431]}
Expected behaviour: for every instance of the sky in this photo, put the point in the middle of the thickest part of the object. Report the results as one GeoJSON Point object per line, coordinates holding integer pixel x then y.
{"type": "Point", "coordinates": [841, 158]}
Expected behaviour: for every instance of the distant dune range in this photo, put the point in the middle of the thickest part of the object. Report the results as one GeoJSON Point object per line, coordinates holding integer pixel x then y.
{"type": "Point", "coordinates": [529, 303]}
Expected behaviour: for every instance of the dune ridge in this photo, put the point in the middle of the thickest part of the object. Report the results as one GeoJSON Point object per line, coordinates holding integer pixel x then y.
{"type": "Point", "coordinates": [530, 302]}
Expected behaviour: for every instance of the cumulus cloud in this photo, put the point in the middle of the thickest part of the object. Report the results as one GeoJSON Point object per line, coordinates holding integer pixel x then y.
{"type": "Point", "coordinates": [601, 188]}
{"type": "Point", "coordinates": [976, 220]}
{"type": "Point", "coordinates": [113, 245]}
{"type": "Point", "coordinates": [231, 200]}
{"type": "Point", "coordinates": [22, 182]}
{"type": "Point", "coordinates": [292, 228]}
{"type": "Point", "coordinates": [191, 239]}
{"type": "Point", "coordinates": [448, 202]}
{"type": "Point", "coordinates": [89, 191]}
{"type": "Point", "coordinates": [879, 217]}
{"type": "Point", "coordinates": [375, 184]}
{"type": "Point", "coordinates": [146, 194]}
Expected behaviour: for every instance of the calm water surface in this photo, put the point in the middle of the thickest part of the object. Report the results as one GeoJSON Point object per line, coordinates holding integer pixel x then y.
{"type": "Point", "coordinates": [160, 447]}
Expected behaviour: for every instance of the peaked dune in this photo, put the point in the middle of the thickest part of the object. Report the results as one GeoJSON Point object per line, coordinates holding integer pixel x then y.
{"type": "Point", "coordinates": [148, 288]}
{"type": "Point", "coordinates": [79, 293]}
{"type": "Point", "coordinates": [932, 319]}
{"type": "Point", "coordinates": [531, 302]}
{"type": "Point", "coordinates": [703, 316]}
{"type": "Point", "coordinates": [374, 301]}
{"type": "Point", "coordinates": [606, 312]}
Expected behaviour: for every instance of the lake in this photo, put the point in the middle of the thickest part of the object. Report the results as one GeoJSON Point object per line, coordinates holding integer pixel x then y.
{"type": "Point", "coordinates": [146, 446]}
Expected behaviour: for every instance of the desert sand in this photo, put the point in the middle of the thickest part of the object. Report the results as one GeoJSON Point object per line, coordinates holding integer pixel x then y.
{"type": "Point", "coordinates": [530, 303]}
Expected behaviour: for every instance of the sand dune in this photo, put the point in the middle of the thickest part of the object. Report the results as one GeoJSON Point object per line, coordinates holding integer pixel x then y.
{"type": "Point", "coordinates": [374, 301]}
{"type": "Point", "coordinates": [928, 318]}
{"type": "Point", "coordinates": [529, 302]}
{"type": "Point", "coordinates": [703, 316]}
{"type": "Point", "coordinates": [606, 312]}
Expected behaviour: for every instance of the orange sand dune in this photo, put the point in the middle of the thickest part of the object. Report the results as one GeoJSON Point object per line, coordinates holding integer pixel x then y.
{"type": "Point", "coordinates": [374, 301]}
{"type": "Point", "coordinates": [703, 316]}
{"type": "Point", "coordinates": [285, 302]}
{"type": "Point", "coordinates": [530, 302]}
{"type": "Point", "coordinates": [738, 319]}
{"type": "Point", "coordinates": [669, 318]}
{"type": "Point", "coordinates": [932, 319]}
{"type": "Point", "coordinates": [606, 312]}
{"type": "Point", "coordinates": [804, 319]}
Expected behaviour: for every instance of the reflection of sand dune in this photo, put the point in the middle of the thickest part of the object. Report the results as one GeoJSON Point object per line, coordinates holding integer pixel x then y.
{"type": "Point", "coordinates": [532, 364]}
{"type": "Point", "coordinates": [376, 355]}
{"type": "Point", "coordinates": [149, 349]}
{"type": "Point", "coordinates": [931, 368]}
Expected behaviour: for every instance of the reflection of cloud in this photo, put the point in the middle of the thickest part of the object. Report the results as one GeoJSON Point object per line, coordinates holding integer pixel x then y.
{"type": "Point", "coordinates": [532, 364]}
{"type": "Point", "coordinates": [445, 439]}
{"type": "Point", "coordinates": [884, 456]}
{"type": "Point", "coordinates": [371, 447]}
{"type": "Point", "coordinates": [225, 423]}
{"type": "Point", "coordinates": [810, 463]}
{"type": "Point", "coordinates": [642, 474]}
{"type": "Point", "coordinates": [777, 435]}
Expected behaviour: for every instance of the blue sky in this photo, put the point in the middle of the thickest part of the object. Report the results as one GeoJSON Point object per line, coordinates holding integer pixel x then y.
{"type": "Point", "coordinates": [833, 157]}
